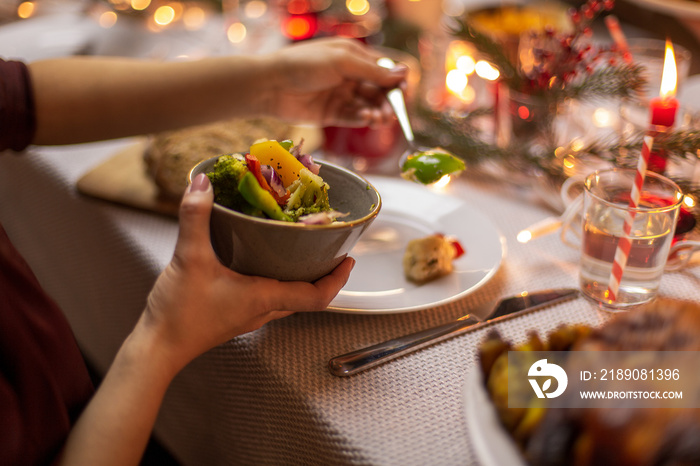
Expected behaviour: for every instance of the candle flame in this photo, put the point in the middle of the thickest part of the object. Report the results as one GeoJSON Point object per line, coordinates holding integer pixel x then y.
{"type": "Point", "coordinates": [669, 78]}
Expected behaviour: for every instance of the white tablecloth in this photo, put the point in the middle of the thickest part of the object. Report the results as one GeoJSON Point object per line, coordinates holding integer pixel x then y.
{"type": "Point", "coordinates": [267, 397]}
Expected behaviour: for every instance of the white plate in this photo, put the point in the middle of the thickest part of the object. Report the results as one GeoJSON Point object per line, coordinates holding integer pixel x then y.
{"type": "Point", "coordinates": [377, 284]}
{"type": "Point", "coordinates": [688, 9]}
{"type": "Point", "coordinates": [491, 443]}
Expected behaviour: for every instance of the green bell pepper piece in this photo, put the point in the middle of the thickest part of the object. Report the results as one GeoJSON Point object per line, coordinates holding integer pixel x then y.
{"type": "Point", "coordinates": [429, 166]}
{"type": "Point", "coordinates": [256, 196]}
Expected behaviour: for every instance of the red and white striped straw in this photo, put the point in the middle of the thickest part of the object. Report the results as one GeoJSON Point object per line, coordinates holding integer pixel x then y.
{"type": "Point", "coordinates": [618, 36]}
{"type": "Point", "coordinates": [625, 244]}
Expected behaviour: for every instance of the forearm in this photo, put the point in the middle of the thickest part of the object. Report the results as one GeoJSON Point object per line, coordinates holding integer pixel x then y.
{"type": "Point", "coordinates": [116, 425]}
{"type": "Point", "coordinates": [86, 99]}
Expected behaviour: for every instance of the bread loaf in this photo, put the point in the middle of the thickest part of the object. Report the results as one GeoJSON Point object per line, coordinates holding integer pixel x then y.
{"type": "Point", "coordinates": [171, 155]}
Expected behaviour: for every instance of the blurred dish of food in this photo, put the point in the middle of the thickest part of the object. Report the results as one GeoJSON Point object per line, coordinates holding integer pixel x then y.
{"type": "Point", "coordinates": [596, 435]}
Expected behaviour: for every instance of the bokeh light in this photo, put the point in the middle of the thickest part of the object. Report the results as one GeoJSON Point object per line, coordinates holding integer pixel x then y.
{"type": "Point", "coordinates": [194, 18]}
{"type": "Point", "coordinates": [236, 33]}
{"type": "Point", "coordinates": [486, 71]}
{"type": "Point", "coordinates": [25, 9]}
{"type": "Point", "coordinates": [107, 19]}
{"type": "Point", "coordinates": [255, 9]}
{"type": "Point", "coordinates": [164, 15]}
{"type": "Point", "coordinates": [140, 5]}
{"type": "Point", "coordinates": [357, 7]}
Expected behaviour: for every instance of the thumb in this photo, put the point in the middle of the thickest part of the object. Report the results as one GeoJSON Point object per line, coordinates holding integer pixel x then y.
{"type": "Point", "coordinates": [195, 212]}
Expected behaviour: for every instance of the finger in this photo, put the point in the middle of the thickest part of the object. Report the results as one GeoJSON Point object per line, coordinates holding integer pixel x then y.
{"type": "Point", "coordinates": [309, 296]}
{"type": "Point", "coordinates": [330, 285]}
{"type": "Point", "coordinates": [194, 215]}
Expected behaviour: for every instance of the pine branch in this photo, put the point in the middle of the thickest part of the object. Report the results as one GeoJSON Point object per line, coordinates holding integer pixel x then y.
{"type": "Point", "coordinates": [456, 133]}
{"type": "Point", "coordinates": [675, 144]}
{"type": "Point", "coordinates": [459, 134]}
{"type": "Point", "coordinates": [566, 67]}
{"type": "Point", "coordinates": [680, 143]}
{"type": "Point", "coordinates": [620, 81]}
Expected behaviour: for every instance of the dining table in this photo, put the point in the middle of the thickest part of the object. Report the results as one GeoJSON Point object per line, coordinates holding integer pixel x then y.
{"type": "Point", "coordinates": [268, 397]}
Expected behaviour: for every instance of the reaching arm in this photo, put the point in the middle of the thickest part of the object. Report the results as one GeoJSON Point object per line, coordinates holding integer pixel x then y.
{"type": "Point", "coordinates": [333, 81]}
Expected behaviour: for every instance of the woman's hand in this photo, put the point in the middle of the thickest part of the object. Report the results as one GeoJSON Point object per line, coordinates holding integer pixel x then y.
{"type": "Point", "coordinates": [198, 303]}
{"type": "Point", "coordinates": [332, 82]}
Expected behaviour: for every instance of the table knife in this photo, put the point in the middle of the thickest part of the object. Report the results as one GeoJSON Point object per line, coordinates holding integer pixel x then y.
{"type": "Point", "coordinates": [371, 356]}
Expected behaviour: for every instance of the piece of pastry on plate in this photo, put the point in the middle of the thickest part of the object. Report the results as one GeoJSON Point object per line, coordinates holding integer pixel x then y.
{"type": "Point", "coordinates": [430, 257]}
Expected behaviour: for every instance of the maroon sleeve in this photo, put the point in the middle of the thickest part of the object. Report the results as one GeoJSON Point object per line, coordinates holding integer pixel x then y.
{"type": "Point", "coordinates": [17, 118]}
{"type": "Point", "coordinates": [44, 382]}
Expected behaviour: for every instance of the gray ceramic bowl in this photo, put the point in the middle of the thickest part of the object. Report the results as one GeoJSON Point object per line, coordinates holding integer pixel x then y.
{"type": "Point", "coordinates": [294, 251]}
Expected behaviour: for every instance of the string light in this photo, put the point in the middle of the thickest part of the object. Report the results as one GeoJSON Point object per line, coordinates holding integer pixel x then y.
{"type": "Point", "coordinates": [164, 15]}
{"type": "Point", "coordinates": [300, 27]}
{"type": "Point", "coordinates": [107, 19]}
{"type": "Point", "coordinates": [357, 7]}
{"type": "Point", "coordinates": [25, 9]}
{"type": "Point", "coordinates": [255, 9]}
{"type": "Point", "coordinates": [486, 71]}
{"type": "Point", "coordinates": [466, 64]}
{"type": "Point", "coordinates": [194, 18]}
{"type": "Point", "coordinates": [236, 33]}
{"type": "Point", "coordinates": [456, 81]}
{"type": "Point", "coordinates": [140, 5]}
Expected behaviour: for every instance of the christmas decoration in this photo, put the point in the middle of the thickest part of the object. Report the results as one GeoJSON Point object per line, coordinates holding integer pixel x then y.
{"type": "Point", "coordinates": [563, 66]}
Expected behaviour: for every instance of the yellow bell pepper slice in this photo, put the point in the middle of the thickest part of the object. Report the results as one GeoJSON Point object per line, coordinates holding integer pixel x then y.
{"type": "Point", "coordinates": [284, 163]}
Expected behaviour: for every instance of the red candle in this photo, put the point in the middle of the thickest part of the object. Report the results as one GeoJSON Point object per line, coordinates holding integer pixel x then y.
{"type": "Point", "coordinates": [663, 111]}
{"type": "Point", "coordinates": [664, 107]}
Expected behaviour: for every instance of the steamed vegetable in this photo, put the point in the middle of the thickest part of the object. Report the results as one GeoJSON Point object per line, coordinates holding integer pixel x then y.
{"type": "Point", "coordinates": [309, 194]}
{"type": "Point", "coordinates": [429, 166]}
{"type": "Point", "coordinates": [280, 195]}
{"type": "Point", "coordinates": [258, 197]}
{"type": "Point", "coordinates": [227, 174]}
{"type": "Point", "coordinates": [285, 164]}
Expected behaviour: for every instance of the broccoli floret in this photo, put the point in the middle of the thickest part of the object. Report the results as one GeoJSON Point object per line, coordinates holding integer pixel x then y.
{"type": "Point", "coordinates": [228, 171]}
{"type": "Point", "coordinates": [309, 194]}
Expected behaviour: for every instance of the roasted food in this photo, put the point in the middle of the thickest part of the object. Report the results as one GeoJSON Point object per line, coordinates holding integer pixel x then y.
{"type": "Point", "coordinates": [493, 360]}
{"type": "Point", "coordinates": [171, 155]}
{"type": "Point", "coordinates": [598, 436]}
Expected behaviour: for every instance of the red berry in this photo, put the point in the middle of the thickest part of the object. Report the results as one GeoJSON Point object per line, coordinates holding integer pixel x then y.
{"type": "Point", "coordinates": [575, 15]}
